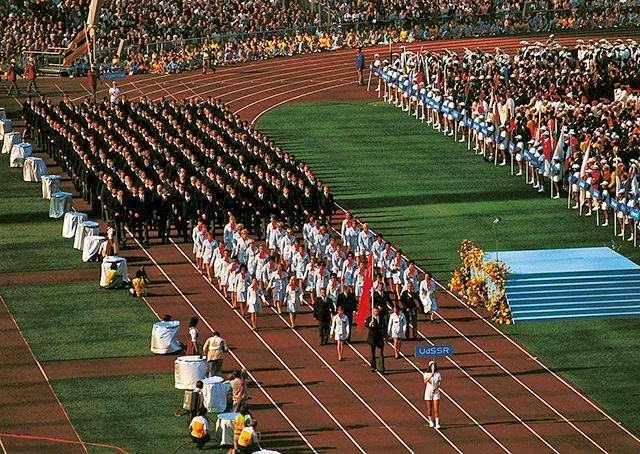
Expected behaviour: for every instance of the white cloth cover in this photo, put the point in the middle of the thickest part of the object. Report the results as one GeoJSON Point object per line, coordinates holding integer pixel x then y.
{"type": "Point", "coordinates": [72, 220]}
{"type": "Point", "coordinates": [50, 184]}
{"type": "Point", "coordinates": [188, 370]}
{"type": "Point", "coordinates": [61, 203]}
{"type": "Point", "coordinates": [91, 246]}
{"type": "Point", "coordinates": [3, 114]}
{"type": "Point", "coordinates": [224, 428]}
{"type": "Point", "coordinates": [215, 393]}
{"type": "Point", "coordinates": [82, 231]}
{"type": "Point", "coordinates": [163, 337]}
{"type": "Point", "coordinates": [10, 139]}
{"type": "Point", "coordinates": [106, 266]}
{"type": "Point", "coordinates": [19, 152]}
{"type": "Point", "coordinates": [5, 127]}
{"type": "Point", "coordinates": [34, 169]}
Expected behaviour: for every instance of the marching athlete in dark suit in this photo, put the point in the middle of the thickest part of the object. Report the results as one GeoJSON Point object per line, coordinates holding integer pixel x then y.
{"type": "Point", "coordinates": [375, 338]}
{"type": "Point", "coordinates": [323, 311]}
{"type": "Point", "coordinates": [347, 299]}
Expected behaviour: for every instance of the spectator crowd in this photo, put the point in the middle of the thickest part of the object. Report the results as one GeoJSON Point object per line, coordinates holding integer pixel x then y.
{"type": "Point", "coordinates": [170, 35]}
{"type": "Point", "coordinates": [567, 119]}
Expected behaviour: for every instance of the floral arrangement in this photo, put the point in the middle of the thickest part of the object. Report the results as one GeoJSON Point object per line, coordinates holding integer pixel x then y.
{"type": "Point", "coordinates": [471, 283]}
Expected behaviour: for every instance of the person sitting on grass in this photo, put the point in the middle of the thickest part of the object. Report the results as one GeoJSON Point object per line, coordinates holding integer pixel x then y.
{"type": "Point", "coordinates": [138, 286]}
{"type": "Point", "coordinates": [199, 428]}
{"type": "Point", "coordinates": [113, 278]}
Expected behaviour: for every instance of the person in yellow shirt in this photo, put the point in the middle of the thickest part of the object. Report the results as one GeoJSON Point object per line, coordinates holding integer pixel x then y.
{"type": "Point", "coordinates": [249, 441]}
{"type": "Point", "coordinates": [239, 423]}
{"type": "Point", "coordinates": [199, 429]}
{"type": "Point", "coordinates": [138, 285]}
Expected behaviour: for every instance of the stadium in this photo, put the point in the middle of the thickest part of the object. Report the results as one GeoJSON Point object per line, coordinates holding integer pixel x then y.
{"type": "Point", "coordinates": [310, 226]}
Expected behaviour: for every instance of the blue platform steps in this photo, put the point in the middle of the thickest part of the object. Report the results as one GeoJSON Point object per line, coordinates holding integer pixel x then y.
{"type": "Point", "coordinates": [570, 283]}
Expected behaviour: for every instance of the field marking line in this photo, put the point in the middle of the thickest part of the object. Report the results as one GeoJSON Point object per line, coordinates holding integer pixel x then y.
{"type": "Point", "coordinates": [175, 286]}
{"type": "Point", "coordinates": [4, 450]}
{"type": "Point", "coordinates": [46, 378]}
{"type": "Point", "coordinates": [373, 412]}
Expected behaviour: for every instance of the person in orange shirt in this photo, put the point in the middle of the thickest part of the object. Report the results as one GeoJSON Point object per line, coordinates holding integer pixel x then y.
{"type": "Point", "coordinates": [199, 428]}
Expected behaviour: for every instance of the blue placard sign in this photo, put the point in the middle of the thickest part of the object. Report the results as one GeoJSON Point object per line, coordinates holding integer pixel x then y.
{"type": "Point", "coordinates": [426, 351]}
{"type": "Point", "coordinates": [114, 75]}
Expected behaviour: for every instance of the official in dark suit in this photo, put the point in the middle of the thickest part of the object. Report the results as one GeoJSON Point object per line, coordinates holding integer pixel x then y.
{"type": "Point", "coordinates": [375, 338]}
{"type": "Point", "coordinates": [322, 312]}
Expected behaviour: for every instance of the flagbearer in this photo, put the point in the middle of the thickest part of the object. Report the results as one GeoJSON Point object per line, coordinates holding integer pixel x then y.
{"type": "Point", "coordinates": [375, 339]}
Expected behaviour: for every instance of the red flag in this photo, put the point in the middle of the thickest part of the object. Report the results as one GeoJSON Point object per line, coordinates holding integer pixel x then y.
{"type": "Point", "coordinates": [512, 125]}
{"type": "Point", "coordinates": [481, 101]}
{"type": "Point", "coordinates": [364, 307]}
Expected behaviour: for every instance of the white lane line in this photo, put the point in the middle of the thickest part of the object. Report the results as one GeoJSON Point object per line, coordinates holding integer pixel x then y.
{"type": "Point", "coordinates": [241, 364]}
{"type": "Point", "coordinates": [4, 450]}
{"type": "Point", "coordinates": [46, 378]}
{"type": "Point", "coordinates": [357, 396]}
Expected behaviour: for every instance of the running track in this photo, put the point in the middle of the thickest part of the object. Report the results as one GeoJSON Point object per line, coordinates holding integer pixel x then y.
{"type": "Point", "coordinates": [498, 397]}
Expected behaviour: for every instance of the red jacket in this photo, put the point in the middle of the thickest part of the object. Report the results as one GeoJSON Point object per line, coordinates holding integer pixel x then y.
{"type": "Point", "coordinates": [11, 73]}
{"type": "Point", "coordinates": [30, 71]}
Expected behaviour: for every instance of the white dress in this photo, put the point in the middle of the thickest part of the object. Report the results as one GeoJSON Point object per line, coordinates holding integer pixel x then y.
{"type": "Point", "coordinates": [207, 251]}
{"type": "Point", "coordinates": [340, 327]}
{"type": "Point", "coordinates": [429, 393]}
{"type": "Point", "coordinates": [292, 298]}
{"type": "Point", "coordinates": [242, 282]}
{"type": "Point", "coordinates": [255, 297]}
{"type": "Point", "coordinates": [427, 296]}
{"type": "Point", "coordinates": [397, 325]}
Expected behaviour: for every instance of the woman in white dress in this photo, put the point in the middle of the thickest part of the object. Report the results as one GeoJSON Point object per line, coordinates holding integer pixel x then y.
{"type": "Point", "coordinates": [397, 266]}
{"type": "Point", "coordinates": [277, 282]}
{"type": "Point", "coordinates": [232, 271]}
{"type": "Point", "coordinates": [255, 298]}
{"type": "Point", "coordinates": [427, 295]}
{"type": "Point", "coordinates": [339, 330]}
{"type": "Point", "coordinates": [346, 223]}
{"type": "Point", "coordinates": [359, 278]}
{"type": "Point", "coordinates": [397, 329]}
{"type": "Point", "coordinates": [198, 236]}
{"type": "Point", "coordinates": [259, 262]}
{"type": "Point", "coordinates": [292, 298]}
{"type": "Point", "coordinates": [228, 234]}
{"type": "Point", "coordinates": [207, 252]}
{"type": "Point", "coordinates": [220, 260]}
{"type": "Point", "coordinates": [432, 380]}
{"type": "Point", "coordinates": [349, 270]}
{"type": "Point", "coordinates": [242, 283]}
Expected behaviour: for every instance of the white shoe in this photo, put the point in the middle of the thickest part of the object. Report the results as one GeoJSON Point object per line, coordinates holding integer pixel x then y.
{"type": "Point", "coordinates": [541, 189]}
{"type": "Point", "coordinates": [437, 426]}
{"type": "Point", "coordinates": [606, 224]}
{"type": "Point", "coordinates": [519, 174]}
{"type": "Point", "coordinates": [377, 89]}
{"type": "Point", "coordinates": [557, 196]}
{"type": "Point", "coordinates": [450, 133]}
{"type": "Point", "coordinates": [437, 127]}
{"type": "Point", "coordinates": [462, 140]}
{"type": "Point", "coordinates": [504, 163]}
{"type": "Point", "coordinates": [431, 423]}
{"type": "Point", "coordinates": [621, 234]}
{"type": "Point", "coordinates": [630, 238]}
{"type": "Point", "coordinates": [575, 207]}
{"type": "Point", "coordinates": [536, 186]}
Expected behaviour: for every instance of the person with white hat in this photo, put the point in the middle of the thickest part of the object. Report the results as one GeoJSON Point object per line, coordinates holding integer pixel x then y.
{"type": "Point", "coordinates": [432, 379]}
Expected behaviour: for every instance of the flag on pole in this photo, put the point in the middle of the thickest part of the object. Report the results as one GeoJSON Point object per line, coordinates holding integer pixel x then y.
{"type": "Point", "coordinates": [77, 47]}
{"type": "Point", "coordinates": [364, 307]}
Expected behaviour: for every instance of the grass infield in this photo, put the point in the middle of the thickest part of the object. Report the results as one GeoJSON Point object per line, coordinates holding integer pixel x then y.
{"type": "Point", "coordinates": [70, 321]}
{"type": "Point", "coordinates": [425, 193]}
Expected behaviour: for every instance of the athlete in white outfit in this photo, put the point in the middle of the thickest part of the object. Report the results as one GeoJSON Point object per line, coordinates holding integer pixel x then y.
{"type": "Point", "coordinates": [432, 380]}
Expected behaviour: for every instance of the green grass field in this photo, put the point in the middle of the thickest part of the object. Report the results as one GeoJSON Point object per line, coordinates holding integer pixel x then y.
{"type": "Point", "coordinates": [29, 239]}
{"type": "Point", "coordinates": [63, 321]}
{"type": "Point", "coordinates": [425, 193]}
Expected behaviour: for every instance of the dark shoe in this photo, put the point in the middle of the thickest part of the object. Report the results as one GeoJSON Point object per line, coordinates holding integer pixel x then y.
{"type": "Point", "coordinates": [373, 370]}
